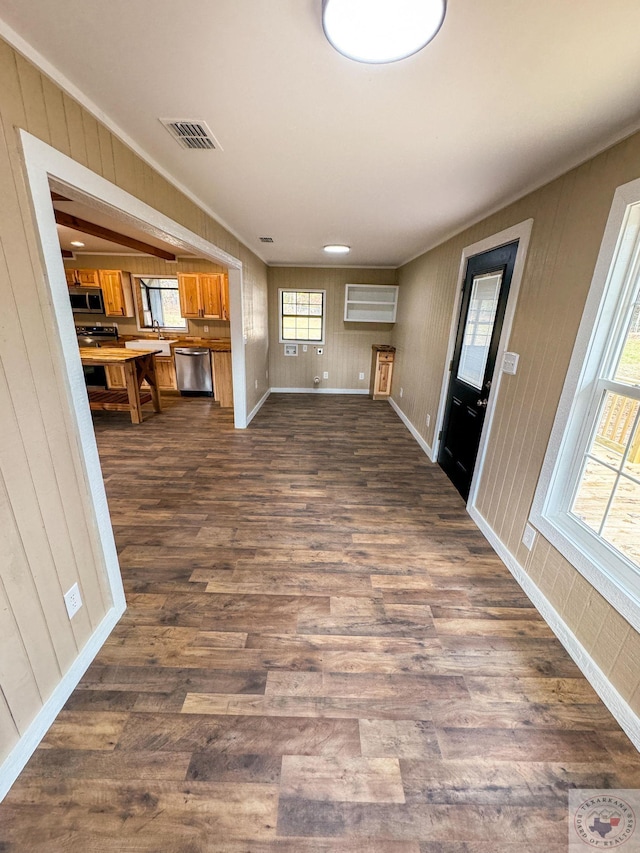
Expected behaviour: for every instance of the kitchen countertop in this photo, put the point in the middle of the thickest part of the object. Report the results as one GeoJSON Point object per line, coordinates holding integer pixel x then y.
{"type": "Point", "coordinates": [214, 344]}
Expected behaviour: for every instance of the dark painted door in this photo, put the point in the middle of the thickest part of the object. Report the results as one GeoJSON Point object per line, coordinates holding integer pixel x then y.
{"type": "Point", "coordinates": [484, 300]}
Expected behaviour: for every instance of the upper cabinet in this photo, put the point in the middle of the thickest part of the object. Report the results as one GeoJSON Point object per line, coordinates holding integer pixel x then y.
{"type": "Point", "coordinates": [115, 286]}
{"type": "Point", "coordinates": [82, 278]}
{"type": "Point", "coordinates": [204, 296]}
{"type": "Point", "coordinates": [116, 292]}
{"type": "Point", "coordinates": [370, 303]}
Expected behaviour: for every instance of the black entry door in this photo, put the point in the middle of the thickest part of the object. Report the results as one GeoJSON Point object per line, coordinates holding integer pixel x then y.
{"type": "Point", "coordinates": [484, 300]}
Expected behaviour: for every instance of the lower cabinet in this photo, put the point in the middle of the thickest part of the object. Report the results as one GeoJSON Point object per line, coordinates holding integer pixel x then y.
{"type": "Point", "coordinates": [165, 375]}
{"type": "Point", "coordinates": [381, 372]}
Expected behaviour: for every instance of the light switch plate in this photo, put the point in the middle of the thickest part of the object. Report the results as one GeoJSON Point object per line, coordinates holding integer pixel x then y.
{"type": "Point", "coordinates": [510, 362]}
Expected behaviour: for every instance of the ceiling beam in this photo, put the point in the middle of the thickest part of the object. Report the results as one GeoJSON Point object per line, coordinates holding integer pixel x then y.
{"type": "Point", "coordinates": [57, 197]}
{"type": "Point", "coordinates": [70, 221]}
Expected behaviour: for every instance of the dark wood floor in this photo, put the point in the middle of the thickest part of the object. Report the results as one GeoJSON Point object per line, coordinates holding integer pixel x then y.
{"type": "Point", "coordinates": [321, 655]}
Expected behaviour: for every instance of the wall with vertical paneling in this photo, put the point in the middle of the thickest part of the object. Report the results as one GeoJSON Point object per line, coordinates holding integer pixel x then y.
{"type": "Point", "coordinates": [48, 536]}
{"type": "Point", "coordinates": [569, 219]}
{"type": "Point", "coordinates": [347, 347]}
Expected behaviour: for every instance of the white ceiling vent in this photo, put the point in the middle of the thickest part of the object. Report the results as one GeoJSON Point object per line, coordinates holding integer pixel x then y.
{"type": "Point", "coordinates": [266, 239]}
{"type": "Point", "coordinates": [191, 133]}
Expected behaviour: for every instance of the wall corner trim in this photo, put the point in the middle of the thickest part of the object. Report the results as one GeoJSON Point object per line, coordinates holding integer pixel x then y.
{"type": "Point", "coordinates": [258, 406]}
{"type": "Point", "coordinates": [15, 762]}
{"type": "Point", "coordinates": [414, 432]}
{"type": "Point", "coordinates": [619, 707]}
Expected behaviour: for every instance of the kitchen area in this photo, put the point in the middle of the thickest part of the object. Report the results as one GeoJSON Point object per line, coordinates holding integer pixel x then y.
{"type": "Point", "coordinates": [149, 323]}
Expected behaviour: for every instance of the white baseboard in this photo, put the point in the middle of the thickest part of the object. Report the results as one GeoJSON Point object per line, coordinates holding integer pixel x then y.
{"type": "Point", "coordinates": [14, 764]}
{"type": "Point", "coordinates": [319, 390]}
{"type": "Point", "coordinates": [414, 432]}
{"type": "Point", "coordinates": [258, 406]}
{"type": "Point", "coordinates": [619, 707]}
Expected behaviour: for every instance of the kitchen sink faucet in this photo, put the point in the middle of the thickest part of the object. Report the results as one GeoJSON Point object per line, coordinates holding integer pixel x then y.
{"type": "Point", "coordinates": [155, 324]}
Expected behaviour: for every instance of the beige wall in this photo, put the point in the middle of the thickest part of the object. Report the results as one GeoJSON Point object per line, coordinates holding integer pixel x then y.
{"type": "Point", "coordinates": [48, 537]}
{"type": "Point", "coordinates": [569, 219]}
{"type": "Point", "coordinates": [347, 347]}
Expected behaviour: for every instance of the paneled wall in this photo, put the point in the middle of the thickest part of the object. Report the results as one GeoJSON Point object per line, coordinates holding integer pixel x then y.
{"type": "Point", "coordinates": [48, 538]}
{"type": "Point", "coordinates": [569, 219]}
{"type": "Point", "coordinates": [347, 347]}
{"type": "Point", "coordinates": [138, 265]}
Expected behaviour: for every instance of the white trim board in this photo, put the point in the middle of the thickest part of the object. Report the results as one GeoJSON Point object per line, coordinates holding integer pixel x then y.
{"type": "Point", "coordinates": [15, 762]}
{"type": "Point", "coordinates": [619, 707]}
{"type": "Point", "coordinates": [258, 406]}
{"type": "Point", "coordinates": [522, 233]}
{"type": "Point", "coordinates": [319, 390]}
{"type": "Point", "coordinates": [414, 432]}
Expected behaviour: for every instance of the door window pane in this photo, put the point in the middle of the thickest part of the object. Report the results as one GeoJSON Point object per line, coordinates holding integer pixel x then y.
{"type": "Point", "coordinates": [594, 494]}
{"type": "Point", "coordinates": [621, 526]}
{"type": "Point", "coordinates": [479, 328]}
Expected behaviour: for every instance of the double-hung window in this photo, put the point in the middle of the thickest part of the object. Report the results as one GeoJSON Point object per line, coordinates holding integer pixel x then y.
{"type": "Point", "coordinates": [158, 303]}
{"type": "Point", "coordinates": [588, 499]}
{"type": "Point", "coordinates": [302, 315]}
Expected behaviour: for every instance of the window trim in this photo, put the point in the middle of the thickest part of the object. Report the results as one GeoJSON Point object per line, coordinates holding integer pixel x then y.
{"type": "Point", "coordinates": [610, 573]}
{"type": "Point", "coordinates": [283, 340]}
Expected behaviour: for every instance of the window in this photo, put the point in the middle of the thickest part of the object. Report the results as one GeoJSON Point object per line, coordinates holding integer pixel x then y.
{"type": "Point", "coordinates": [158, 303]}
{"type": "Point", "coordinates": [302, 316]}
{"type": "Point", "coordinates": [588, 499]}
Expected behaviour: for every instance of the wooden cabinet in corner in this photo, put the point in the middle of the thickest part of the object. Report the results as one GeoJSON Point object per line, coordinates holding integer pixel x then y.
{"type": "Point", "coordinates": [204, 296]}
{"type": "Point", "coordinates": [117, 293]}
{"type": "Point", "coordinates": [82, 278]}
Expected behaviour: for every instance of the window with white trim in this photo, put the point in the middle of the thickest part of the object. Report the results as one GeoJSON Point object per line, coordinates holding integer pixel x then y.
{"type": "Point", "coordinates": [302, 316]}
{"type": "Point", "coordinates": [588, 499]}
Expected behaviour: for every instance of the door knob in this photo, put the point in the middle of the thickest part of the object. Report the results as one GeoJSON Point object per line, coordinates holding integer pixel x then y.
{"type": "Point", "coordinates": [481, 404]}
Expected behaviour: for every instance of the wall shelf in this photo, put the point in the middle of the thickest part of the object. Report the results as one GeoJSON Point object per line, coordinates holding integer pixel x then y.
{"type": "Point", "coordinates": [370, 303]}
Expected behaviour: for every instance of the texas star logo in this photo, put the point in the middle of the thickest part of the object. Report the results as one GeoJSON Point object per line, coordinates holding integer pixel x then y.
{"type": "Point", "coordinates": [605, 822]}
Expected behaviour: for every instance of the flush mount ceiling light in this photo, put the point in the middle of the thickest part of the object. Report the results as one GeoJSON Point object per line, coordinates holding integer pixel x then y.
{"type": "Point", "coordinates": [337, 249]}
{"type": "Point", "coordinates": [378, 31]}
{"type": "Point", "coordinates": [77, 243]}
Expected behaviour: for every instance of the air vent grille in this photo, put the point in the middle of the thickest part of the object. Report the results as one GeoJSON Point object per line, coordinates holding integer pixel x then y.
{"type": "Point", "coordinates": [266, 239]}
{"type": "Point", "coordinates": [193, 134]}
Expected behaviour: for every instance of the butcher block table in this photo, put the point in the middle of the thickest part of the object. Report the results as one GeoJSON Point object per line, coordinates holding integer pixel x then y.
{"type": "Point", "coordinates": [137, 365]}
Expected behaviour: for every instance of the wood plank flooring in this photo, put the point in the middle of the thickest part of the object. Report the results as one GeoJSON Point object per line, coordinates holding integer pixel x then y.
{"type": "Point", "coordinates": [321, 655]}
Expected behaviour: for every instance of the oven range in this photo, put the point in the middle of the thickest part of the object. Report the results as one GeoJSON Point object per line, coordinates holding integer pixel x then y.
{"type": "Point", "coordinates": [95, 376]}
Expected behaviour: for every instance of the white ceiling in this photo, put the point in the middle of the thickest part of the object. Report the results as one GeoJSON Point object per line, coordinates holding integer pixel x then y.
{"type": "Point", "coordinates": [390, 159]}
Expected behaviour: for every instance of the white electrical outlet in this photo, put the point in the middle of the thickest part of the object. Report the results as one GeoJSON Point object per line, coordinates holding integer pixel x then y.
{"type": "Point", "coordinates": [325, 375]}
{"type": "Point", "coordinates": [304, 348]}
{"type": "Point", "coordinates": [256, 384]}
{"type": "Point", "coordinates": [428, 419]}
{"type": "Point", "coordinates": [401, 391]}
{"type": "Point", "coordinates": [206, 328]}
{"type": "Point", "coordinates": [529, 536]}
{"type": "Point", "coordinates": [73, 600]}
{"type": "Point", "coordinates": [361, 376]}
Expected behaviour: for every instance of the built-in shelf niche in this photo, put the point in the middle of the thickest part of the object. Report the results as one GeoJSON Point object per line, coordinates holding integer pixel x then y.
{"type": "Point", "coordinates": [370, 303]}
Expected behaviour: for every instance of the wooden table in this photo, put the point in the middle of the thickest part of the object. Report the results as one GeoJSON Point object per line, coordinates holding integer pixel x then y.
{"type": "Point", "coordinates": [137, 365]}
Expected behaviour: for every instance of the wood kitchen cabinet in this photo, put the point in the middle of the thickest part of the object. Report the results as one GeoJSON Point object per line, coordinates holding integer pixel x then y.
{"type": "Point", "coordinates": [381, 371]}
{"type": "Point", "coordinates": [203, 296]}
{"type": "Point", "coordinates": [117, 293]}
{"type": "Point", "coordinates": [82, 278]}
{"type": "Point", "coordinates": [165, 375]}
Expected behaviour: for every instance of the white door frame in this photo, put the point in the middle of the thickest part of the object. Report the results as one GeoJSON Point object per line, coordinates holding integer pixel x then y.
{"type": "Point", "coordinates": [522, 233]}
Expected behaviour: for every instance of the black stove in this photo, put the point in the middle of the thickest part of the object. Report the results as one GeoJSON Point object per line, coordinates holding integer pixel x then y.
{"type": "Point", "coordinates": [95, 336]}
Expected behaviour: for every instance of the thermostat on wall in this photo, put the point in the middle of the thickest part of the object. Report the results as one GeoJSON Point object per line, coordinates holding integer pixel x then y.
{"type": "Point", "coordinates": [510, 362]}
{"type": "Point", "coordinates": [291, 349]}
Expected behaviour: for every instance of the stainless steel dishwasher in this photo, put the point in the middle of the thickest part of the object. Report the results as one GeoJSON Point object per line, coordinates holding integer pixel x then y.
{"type": "Point", "coordinates": [193, 371]}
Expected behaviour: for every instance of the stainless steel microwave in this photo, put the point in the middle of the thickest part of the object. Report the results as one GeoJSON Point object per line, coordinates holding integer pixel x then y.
{"type": "Point", "coordinates": [86, 300]}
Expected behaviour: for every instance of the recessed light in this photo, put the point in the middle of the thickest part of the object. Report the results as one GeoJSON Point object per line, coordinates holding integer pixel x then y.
{"type": "Point", "coordinates": [77, 243]}
{"type": "Point", "coordinates": [378, 31]}
{"type": "Point", "coordinates": [337, 249]}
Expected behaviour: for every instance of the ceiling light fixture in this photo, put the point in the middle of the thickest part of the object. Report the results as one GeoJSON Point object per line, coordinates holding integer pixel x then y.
{"type": "Point", "coordinates": [337, 249]}
{"type": "Point", "coordinates": [378, 31]}
{"type": "Point", "coordinates": [77, 243]}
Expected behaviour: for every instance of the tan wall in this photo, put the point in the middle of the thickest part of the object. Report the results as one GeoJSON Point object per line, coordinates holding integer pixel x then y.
{"type": "Point", "coordinates": [347, 347]}
{"type": "Point", "coordinates": [149, 266]}
{"type": "Point", "coordinates": [569, 219]}
{"type": "Point", "coordinates": [48, 538]}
